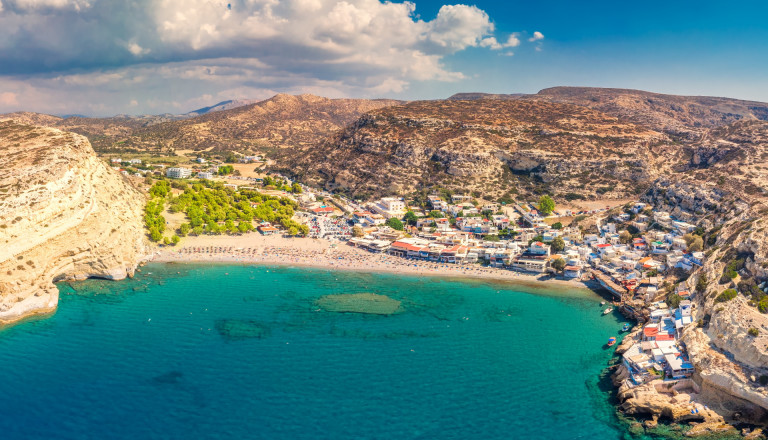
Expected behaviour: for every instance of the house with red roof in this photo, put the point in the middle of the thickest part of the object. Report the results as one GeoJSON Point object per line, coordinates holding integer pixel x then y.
{"type": "Point", "coordinates": [267, 229]}
{"type": "Point", "coordinates": [324, 210]}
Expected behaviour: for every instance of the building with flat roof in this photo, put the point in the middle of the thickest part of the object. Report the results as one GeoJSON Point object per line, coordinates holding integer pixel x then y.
{"type": "Point", "coordinates": [178, 173]}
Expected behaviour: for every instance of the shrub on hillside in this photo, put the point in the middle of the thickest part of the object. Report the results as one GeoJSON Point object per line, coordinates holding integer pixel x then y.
{"type": "Point", "coordinates": [727, 295]}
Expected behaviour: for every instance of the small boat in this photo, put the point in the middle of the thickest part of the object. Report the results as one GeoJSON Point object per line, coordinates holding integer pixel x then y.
{"type": "Point", "coordinates": [602, 303]}
{"type": "Point", "coordinates": [626, 327]}
{"type": "Point", "coordinates": [611, 341]}
{"type": "Point", "coordinates": [608, 310]}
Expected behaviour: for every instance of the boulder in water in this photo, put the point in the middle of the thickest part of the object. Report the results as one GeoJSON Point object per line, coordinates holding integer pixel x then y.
{"type": "Point", "coordinates": [237, 329]}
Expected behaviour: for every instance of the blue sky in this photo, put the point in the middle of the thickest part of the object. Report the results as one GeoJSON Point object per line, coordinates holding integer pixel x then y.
{"type": "Point", "coordinates": [678, 47]}
{"type": "Point", "coordinates": [104, 57]}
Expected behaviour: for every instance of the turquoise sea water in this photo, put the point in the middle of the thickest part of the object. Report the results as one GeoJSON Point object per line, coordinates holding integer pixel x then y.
{"type": "Point", "coordinates": [243, 352]}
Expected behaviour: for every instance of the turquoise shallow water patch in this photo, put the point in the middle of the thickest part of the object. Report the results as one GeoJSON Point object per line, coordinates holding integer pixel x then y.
{"type": "Point", "coordinates": [192, 351]}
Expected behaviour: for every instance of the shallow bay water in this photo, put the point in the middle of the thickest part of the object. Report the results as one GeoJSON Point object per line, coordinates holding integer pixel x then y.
{"type": "Point", "coordinates": [225, 351]}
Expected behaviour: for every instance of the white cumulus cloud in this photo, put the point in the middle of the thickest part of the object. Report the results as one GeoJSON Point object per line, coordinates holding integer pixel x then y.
{"type": "Point", "coordinates": [27, 5]}
{"type": "Point", "coordinates": [536, 36]}
{"type": "Point", "coordinates": [513, 41]}
{"type": "Point", "coordinates": [338, 47]}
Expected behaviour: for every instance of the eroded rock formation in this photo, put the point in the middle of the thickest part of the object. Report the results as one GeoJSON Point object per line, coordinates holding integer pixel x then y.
{"type": "Point", "coordinates": [64, 214]}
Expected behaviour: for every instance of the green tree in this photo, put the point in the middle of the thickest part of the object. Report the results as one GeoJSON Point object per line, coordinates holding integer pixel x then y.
{"type": "Point", "coordinates": [557, 225]}
{"type": "Point", "coordinates": [762, 305]}
{"type": "Point", "coordinates": [558, 264]}
{"type": "Point", "coordinates": [558, 244]}
{"type": "Point", "coordinates": [175, 239]}
{"type": "Point", "coordinates": [492, 238]}
{"type": "Point", "coordinates": [296, 188]}
{"type": "Point", "coordinates": [546, 205]}
{"type": "Point", "coordinates": [184, 229]}
{"type": "Point", "coordinates": [673, 300]}
{"type": "Point", "coordinates": [293, 230]}
{"type": "Point", "coordinates": [696, 245]}
{"type": "Point", "coordinates": [701, 283]}
{"type": "Point", "coordinates": [155, 235]}
{"type": "Point", "coordinates": [436, 214]}
{"type": "Point", "coordinates": [357, 231]}
{"type": "Point", "coordinates": [625, 237]}
{"type": "Point", "coordinates": [410, 218]}
{"type": "Point", "coordinates": [161, 188]}
{"type": "Point", "coordinates": [395, 224]}
{"type": "Point", "coordinates": [230, 227]}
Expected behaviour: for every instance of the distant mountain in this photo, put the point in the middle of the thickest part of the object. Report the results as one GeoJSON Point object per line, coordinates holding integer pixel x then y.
{"type": "Point", "coordinates": [687, 117]}
{"type": "Point", "coordinates": [223, 105]}
{"type": "Point", "coordinates": [472, 96]}
{"type": "Point", "coordinates": [283, 121]}
{"type": "Point", "coordinates": [278, 122]}
{"type": "Point", "coordinates": [31, 118]}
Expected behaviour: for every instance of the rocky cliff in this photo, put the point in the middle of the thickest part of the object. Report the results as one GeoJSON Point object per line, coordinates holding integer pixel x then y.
{"type": "Point", "coordinates": [489, 145]}
{"type": "Point", "coordinates": [729, 344]}
{"type": "Point", "coordinates": [64, 215]}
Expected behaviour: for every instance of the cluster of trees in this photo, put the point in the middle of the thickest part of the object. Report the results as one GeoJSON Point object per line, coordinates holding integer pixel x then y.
{"type": "Point", "coordinates": [281, 185]}
{"type": "Point", "coordinates": [153, 213]}
{"type": "Point", "coordinates": [208, 204]}
{"type": "Point", "coordinates": [225, 170]}
{"type": "Point", "coordinates": [395, 224]}
{"type": "Point", "coordinates": [757, 298]}
{"type": "Point", "coordinates": [153, 219]}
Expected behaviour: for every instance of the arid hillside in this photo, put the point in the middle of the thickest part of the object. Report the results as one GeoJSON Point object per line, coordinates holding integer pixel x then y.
{"type": "Point", "coordinates": [685, 117]}
{"type": "Point", "coordinates": [283, 121]}
{"type": "Point", "coordinates": [490, 145]}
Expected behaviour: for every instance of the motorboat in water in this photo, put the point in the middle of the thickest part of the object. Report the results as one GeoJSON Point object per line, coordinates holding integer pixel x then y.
{"type": "Point", "coordinates": [626, 327]}
{"type": "Point", "coordinates": [608, 310]}
{"type": "Point", "coordinates": [611, 341]}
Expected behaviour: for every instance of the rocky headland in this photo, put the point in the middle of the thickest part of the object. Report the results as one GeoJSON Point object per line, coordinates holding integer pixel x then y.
{"type": "Point", "coordinates": [64, 215]}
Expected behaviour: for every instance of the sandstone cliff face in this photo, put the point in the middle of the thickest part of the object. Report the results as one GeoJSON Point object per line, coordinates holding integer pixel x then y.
{"type": "Point", "coordinates": [63, 215]}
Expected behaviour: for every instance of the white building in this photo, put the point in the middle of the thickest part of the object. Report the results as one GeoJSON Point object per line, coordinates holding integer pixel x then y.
{"type": "Point", "coordinates": [390, 207]}
{"type": "Point", "coordinates": [204, 175]}
{"type": "Point", "coordinates": [178, 173]}
{"type": "Point", "coordinates": [135, 161]}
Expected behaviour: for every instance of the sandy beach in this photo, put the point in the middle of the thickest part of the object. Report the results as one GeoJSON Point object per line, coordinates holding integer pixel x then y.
{"type": "Point", "coordinates": [277, 250]}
